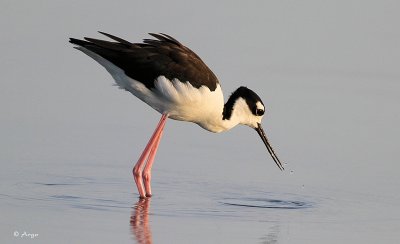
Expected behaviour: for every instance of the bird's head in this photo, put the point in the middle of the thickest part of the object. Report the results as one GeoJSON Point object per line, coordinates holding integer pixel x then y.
{"type": "Point", "coordinates": [246, 107]}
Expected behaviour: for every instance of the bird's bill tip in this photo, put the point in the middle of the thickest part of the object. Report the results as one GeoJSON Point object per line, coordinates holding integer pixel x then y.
{"type": "Point", "coordinates": [264, 138]}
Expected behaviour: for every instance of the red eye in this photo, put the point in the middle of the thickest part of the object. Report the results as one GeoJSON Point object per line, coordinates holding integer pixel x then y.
{"type": "Point", "coordinates": [259, 112]}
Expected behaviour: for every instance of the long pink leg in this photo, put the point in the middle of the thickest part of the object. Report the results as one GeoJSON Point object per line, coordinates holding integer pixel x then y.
{"type": "Point", "coordinates": [149, 165]}
{"type": "Point", "coordinates": [137, 170]}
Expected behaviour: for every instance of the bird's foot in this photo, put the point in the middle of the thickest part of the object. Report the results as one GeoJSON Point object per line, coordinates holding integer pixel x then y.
{"type": "Point", "coordinates": [146, 196]}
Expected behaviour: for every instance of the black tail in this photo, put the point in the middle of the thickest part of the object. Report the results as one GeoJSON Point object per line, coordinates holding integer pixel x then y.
{"type": "Point", "coordinates": [91, 42]}
{"type": "Point", "coordinates": [78, 42]}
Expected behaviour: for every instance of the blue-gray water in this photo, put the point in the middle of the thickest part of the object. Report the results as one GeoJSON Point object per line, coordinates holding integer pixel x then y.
{"type": "Point", "coordinates": [327, 72]}
{"type": "Point", "coordinates": [83, 202]}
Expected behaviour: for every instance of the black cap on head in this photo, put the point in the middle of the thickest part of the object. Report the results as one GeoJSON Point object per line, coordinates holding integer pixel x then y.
{"type": "Point", "coordinates": [249, 96]}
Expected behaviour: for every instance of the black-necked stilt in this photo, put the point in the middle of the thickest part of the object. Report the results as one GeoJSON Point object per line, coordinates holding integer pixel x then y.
{"type": "Point", "coordinates": [173, 80]}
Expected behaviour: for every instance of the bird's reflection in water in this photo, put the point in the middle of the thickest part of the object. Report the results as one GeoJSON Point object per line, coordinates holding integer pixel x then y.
{"type": "Point", "coordinates": [140, 222]}
{"type": "Point", "coordinates": [272, 236]}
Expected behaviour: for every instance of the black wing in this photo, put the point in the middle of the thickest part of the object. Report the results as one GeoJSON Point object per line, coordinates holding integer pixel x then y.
{"type": "Point", "coordinates": [146, 61]}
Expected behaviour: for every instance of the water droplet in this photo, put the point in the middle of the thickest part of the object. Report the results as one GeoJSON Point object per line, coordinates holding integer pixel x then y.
{"type": "Point", "coordinates": [302, 186]}
{"type": "Point", "coordinates": [291, 172]}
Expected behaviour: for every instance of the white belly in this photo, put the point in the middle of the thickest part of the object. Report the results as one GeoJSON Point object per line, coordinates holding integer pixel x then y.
{"type": "Point", "coordinates": [184, 102]}
{"type": "Point", "coordinates": [179, 99]}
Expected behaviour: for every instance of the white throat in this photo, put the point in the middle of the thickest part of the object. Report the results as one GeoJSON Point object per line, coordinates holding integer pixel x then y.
{"type": "Point", "coordinates": [241, 114]}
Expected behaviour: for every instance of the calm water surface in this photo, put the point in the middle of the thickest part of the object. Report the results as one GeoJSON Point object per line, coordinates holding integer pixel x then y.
{"type": "Point", "coordinates": [71, 181]}
{"type": "Point", "coordinates": [99, 207]}
{"type": "Point", "coordinates": [69, 139]}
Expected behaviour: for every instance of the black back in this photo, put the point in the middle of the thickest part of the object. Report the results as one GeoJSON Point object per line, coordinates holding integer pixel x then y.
{"type": "Point", "coordinates": [146, 61]}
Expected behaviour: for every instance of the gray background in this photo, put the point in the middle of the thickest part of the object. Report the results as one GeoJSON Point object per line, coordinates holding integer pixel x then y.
{"type": "Point", "coordinates": [328, 72]}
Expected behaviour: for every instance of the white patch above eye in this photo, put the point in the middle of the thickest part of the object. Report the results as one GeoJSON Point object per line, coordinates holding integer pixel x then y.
{"type": "Point", "coordinates": [259, 105]}
{"type": "Point", "coordinates": [243, 115]}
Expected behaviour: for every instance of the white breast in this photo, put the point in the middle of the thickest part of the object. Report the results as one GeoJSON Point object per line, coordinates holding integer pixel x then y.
{"type": "Point", "coordinates": [184, 102]}
{"type": "Point", "coordinates": [179, 99]}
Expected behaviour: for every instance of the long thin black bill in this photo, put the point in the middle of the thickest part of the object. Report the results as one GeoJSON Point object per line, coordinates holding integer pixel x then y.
{"type": "Point", "coordinates": [261, 132]}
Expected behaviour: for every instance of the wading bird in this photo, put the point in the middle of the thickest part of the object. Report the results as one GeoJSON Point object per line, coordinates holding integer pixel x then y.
{"type": "Point", "coordinates": [173, 80]}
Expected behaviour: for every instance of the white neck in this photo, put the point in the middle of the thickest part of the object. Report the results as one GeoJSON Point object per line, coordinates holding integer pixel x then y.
{"type": "Point", "coordinates": [240, 115]}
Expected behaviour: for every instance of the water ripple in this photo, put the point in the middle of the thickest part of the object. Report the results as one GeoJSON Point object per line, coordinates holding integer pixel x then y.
{"type": "Point", "coordinates": [253, 202]}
